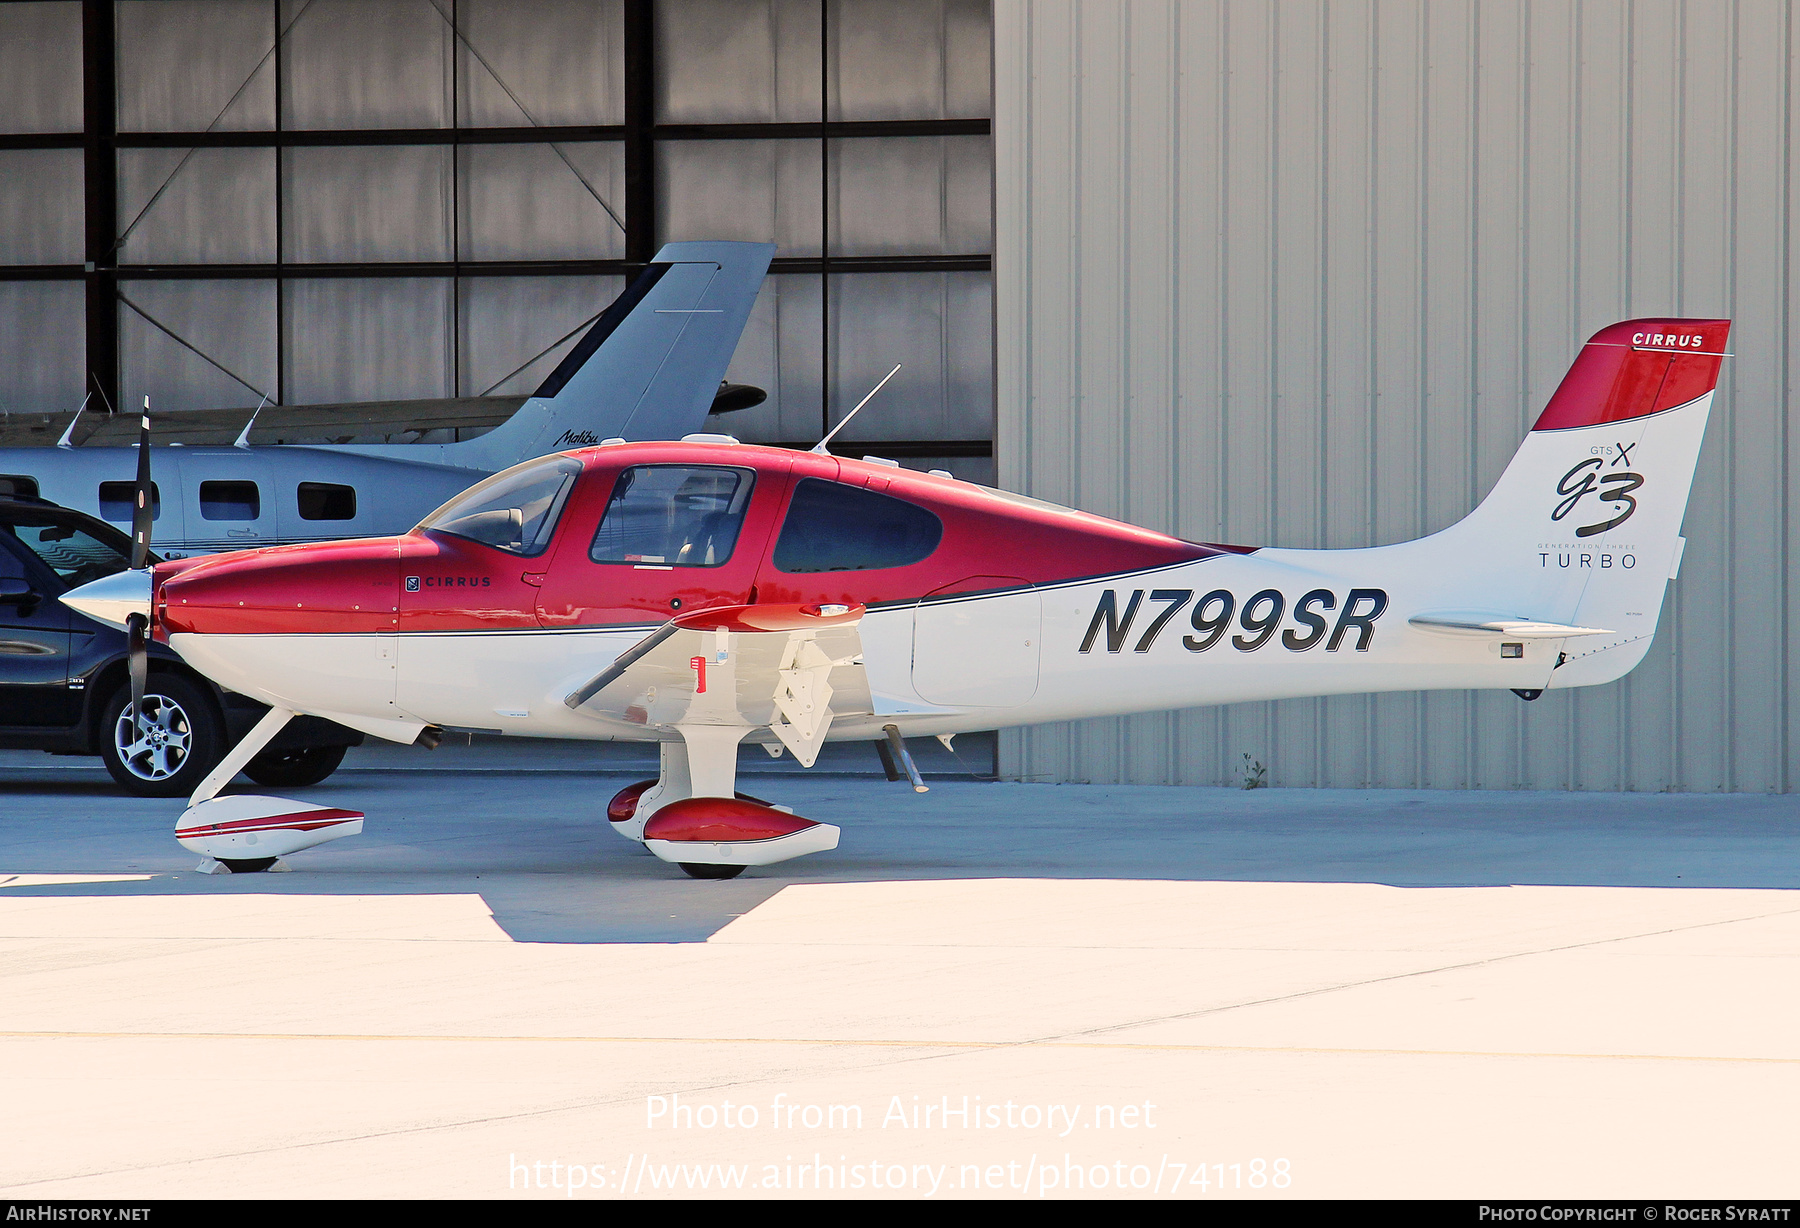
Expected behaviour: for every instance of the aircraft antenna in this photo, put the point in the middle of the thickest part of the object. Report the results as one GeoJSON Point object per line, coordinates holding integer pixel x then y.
{"type": "Point", "coordinates": [243, 439]}
{"type": "Point", "coordinates": [68, 436]}
{"type": "Point", "coordinates": [820, 446]}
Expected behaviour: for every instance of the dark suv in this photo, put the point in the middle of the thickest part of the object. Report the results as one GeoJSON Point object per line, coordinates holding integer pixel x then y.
{"type": "Point", "coordinates": [64, 686]}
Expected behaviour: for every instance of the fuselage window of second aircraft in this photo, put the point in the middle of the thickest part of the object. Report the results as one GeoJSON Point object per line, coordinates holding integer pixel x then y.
{"type": "Point", "coordinates": [116, 499]}
{"type": "Point", "coordinates": [230, 501]}
{"type": "Point", "coordinates": [326, 501]}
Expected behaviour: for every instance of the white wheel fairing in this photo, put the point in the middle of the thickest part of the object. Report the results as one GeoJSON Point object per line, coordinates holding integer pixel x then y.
{"type": "Point", "coordinates": [248, 826]}
{"type": "Point", "coordinates": [818, 838]}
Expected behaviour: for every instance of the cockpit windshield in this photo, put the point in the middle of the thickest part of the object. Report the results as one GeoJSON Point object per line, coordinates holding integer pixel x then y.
{"type": "Point", "coordinates": [515, 510]}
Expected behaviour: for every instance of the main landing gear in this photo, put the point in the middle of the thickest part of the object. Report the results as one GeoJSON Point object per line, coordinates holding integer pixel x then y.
{"type": "Point", "coordinates": [693, 816]}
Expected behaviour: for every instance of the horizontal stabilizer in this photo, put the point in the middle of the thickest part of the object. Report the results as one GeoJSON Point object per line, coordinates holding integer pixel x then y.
{"type": "Point", "coordinates": [1466, 622]}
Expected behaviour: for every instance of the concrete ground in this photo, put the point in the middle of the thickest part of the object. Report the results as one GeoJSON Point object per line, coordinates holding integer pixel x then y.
{"type": "Point", "coordinates": [1114, 992]}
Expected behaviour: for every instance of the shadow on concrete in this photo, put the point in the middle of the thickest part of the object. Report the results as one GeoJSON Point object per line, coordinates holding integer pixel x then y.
{"type": "Point", "coordinates": [535, 845]}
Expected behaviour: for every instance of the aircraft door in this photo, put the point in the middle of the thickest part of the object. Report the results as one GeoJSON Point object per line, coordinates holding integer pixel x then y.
{"type": "Point", "coordinates": [227, 499]}
{"type": "Point", "coordinates": [651, 541]}
{"type": "Point", "coordinates": [975, 651]}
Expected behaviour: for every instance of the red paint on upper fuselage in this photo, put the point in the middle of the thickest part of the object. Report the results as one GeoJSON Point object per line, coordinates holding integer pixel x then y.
{"type": "Point", "coordinates": [341, 587]}
{"type": "Point", "coordinates": [990, 541]}
{"type": "Point", "coordinates": [463, 585]}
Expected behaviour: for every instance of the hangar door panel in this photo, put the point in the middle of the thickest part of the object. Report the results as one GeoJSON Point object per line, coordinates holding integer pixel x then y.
{"type": "Point", "coordinates": [979, 652]}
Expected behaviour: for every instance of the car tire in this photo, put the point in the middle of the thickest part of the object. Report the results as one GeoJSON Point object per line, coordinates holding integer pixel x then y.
{"type": "Point", "coordinates": [186, 742]}
{"type": "Point", "coordinates": [290, 769]}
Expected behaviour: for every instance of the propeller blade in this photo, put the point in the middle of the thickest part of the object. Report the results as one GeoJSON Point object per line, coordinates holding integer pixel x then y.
{"type": "Point", "coordinates": [137, 626]}
{"type": "Point", "coordinates": [138, 660]}
{"type": "Point", "coordinates": [143, 512]}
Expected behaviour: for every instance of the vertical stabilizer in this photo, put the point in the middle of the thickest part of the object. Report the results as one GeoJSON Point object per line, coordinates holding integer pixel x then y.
{"type": "Point", "coordinates": [648, 368]}
{"type": "Point", "coordinates": [1584, 527]}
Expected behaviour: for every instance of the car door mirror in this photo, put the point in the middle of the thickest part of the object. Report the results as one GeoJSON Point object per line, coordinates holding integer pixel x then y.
{"type": "Point", "coordinates": [15, 590]}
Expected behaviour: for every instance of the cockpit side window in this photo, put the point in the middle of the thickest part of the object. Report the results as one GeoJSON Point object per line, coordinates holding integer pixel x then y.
{"type": "Point", "coordinates": [673, 516]}
{"type": "Point", "coordinates": [834, 527]}
{"type": "Point", "coordinates": [515, 510]}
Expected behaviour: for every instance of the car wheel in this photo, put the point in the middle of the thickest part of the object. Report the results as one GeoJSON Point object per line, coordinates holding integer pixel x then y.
{"type": "Point", "coordinates": [288, 769]}
{"type": "Point", "coordinates": [170, 751]}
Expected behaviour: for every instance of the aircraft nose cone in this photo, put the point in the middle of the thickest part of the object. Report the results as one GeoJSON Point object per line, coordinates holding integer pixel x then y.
{"type": "Point", "coordinates": [111, 598]}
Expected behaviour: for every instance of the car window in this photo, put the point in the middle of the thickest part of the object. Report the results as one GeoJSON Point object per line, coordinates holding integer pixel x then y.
{"type": "Point", "coordinates": [834, 527]}
{"type": "Point", "coordinates": [77, 554]}
{"type": "Point", "coordinates": [12, 567]}
{"type": "Point", "coordinates": [673, 516]}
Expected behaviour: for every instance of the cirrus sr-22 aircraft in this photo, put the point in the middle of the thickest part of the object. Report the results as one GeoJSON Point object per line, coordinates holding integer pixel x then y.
{"type": "Point", "coordinates": [702, 593]}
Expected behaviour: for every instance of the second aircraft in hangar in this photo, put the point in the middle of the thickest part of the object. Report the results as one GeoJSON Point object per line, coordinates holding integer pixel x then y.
{"type": "Point", "coordinates": [651, 367]}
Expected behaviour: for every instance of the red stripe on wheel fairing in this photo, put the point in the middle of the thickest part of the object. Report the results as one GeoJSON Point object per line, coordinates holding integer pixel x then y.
{"type": "Point", "coordinates": [300, 820]}
{"type": "Point", "coordinates": [188, 833]}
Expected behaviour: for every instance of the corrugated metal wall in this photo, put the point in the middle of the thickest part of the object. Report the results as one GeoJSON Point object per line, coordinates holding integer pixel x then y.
{"type": "Point", "coordinates": [1302, 274]}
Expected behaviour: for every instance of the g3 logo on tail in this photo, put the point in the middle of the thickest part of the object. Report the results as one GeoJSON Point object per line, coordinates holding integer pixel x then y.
{"type": "Point", "coordinates": [1614, 488]}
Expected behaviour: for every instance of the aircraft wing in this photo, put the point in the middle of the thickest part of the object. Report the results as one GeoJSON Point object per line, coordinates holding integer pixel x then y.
{"type": "Point", "coordinates": [789, 668]}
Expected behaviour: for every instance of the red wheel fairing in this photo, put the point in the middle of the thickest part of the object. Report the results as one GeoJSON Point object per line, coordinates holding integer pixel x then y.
{"type": "Point", "coordinates": [711, 820]}
{"type": "Point", "coordinates": [623, 807]}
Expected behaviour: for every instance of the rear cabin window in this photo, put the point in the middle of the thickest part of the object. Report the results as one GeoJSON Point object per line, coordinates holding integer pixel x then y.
{"type": "Point", "coordinates": [230, 501]}
{"type": "Point", "coordinates": [326, 501]}
{"type": "Point", "coordinates": [834, 527]}
{"type": "Point", "coordinates": [673, 516]}
{"type": "Point", "coordinates": [117, 499]}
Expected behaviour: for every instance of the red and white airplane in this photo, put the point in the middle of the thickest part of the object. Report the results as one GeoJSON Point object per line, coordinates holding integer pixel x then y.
{"type": "Point", "coordinates": [704, 593]}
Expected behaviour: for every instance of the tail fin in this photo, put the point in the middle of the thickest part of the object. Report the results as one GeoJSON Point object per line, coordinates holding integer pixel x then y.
{"type": "Point", "coordinates": [649, 368]}
{"type": "Point", "coordinates": [1584, 527]}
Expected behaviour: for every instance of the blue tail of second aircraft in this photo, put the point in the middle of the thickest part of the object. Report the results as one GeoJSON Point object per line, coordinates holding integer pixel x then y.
{"type": "Point", "coordinates": [649, 368]}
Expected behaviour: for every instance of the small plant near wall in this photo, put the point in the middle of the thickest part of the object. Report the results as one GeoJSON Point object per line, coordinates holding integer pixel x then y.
{"type": "Point", "coordinates": [1256, 776]}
